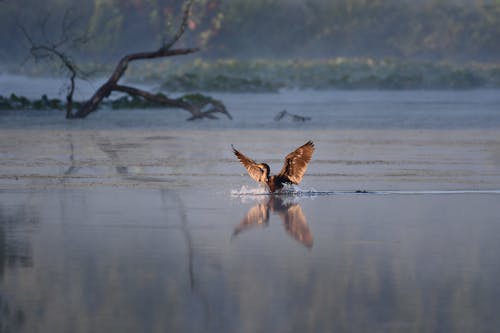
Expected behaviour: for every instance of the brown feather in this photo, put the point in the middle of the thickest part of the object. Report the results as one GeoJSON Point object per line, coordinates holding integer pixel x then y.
{"type": "Point", "coordinates": [296, 163]}
{"type": "Point", "coordinates": [256, 171]}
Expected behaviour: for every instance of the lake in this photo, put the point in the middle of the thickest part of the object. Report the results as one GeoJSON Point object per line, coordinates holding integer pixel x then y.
{"type": "Point", "coordinates": [136, 220]}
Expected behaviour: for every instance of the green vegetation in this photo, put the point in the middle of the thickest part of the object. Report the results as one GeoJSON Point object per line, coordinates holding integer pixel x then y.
{"type": "Point", "coordinates": [218, 82]}
{"type": "Point", "coordinates": [14, 102]}
{"type": "Point", "coordinates": [199, 99]}
{"type": "Point", "coordinates": [339, 73]}
{"type": "Point", "coordinates": [130, 102]}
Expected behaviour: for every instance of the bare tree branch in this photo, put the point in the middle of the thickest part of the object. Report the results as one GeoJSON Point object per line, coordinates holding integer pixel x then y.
{"type": "Point", "coordinates": [43, 27]}
{"type": "Point", "coordinates": [54, 50]}
{"type": "Point", "coordinates": [196, 111]}
{"type": "Point", "coordinates": [164, 51]}
{"type": "Point", "coordinates": [111, 84]}
{"type": "Point", "coordinates": [182, 26]}
{"type": "Point", "coordinates": [25, 33]}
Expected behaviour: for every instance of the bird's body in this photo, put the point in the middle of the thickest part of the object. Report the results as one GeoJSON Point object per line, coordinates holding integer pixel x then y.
{"type": "Point", "coordinates": [292, 172]}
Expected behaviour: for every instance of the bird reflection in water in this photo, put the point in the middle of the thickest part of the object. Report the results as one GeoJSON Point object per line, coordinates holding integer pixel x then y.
{"type": "Point", "coordinates": [291, 213]}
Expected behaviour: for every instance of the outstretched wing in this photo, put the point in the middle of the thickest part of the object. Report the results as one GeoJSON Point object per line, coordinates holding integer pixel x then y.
{"type": "Point", "coordinates": [296, 162]}
{"type": "Point", "coordinates": [255, 171]}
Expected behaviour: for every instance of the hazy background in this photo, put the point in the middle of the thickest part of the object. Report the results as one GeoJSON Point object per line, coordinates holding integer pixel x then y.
{"type": "Point", "coordinates": [462, 30]}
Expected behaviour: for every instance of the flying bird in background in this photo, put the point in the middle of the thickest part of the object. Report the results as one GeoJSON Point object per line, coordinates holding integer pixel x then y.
{"type": "Point", "coordinates": [292, 172]}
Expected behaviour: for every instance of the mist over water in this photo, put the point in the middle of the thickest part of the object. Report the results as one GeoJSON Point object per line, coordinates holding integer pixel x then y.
{"type": "Point", "coordinates": [338, 109]}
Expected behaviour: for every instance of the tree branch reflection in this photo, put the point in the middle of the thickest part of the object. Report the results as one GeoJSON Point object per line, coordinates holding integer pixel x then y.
{"type": "Point", "coordinates": [16, 226]}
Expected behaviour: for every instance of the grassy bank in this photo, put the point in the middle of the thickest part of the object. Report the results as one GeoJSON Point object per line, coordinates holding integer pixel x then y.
{"type": "Point", "coordinates": [15, 102]}
{"type": "Point", "coordinates": [339, 73]}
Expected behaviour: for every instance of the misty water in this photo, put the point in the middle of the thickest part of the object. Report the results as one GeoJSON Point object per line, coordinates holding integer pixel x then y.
{"type": "Point", "coordinates": [138, 221]}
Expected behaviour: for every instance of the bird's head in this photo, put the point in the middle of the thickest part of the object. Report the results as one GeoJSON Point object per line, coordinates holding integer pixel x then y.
{"type": "Point", "coordinates": [265, 171]}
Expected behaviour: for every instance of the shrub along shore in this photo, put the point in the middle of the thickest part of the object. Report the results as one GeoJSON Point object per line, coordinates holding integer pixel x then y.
{"type": "Point", "coordinates": [14, 102]}
{"type": "Point", "coordinates": [338, 73]}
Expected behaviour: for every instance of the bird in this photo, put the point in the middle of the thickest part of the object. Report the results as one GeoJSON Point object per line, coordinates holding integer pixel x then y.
{"type": "Point", "coordinates": [292, 171]}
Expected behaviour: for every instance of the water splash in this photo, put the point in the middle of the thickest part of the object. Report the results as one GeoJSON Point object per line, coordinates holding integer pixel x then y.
{"type": "Point", "coordinates": [244, 190]}
{"type": "Point", "coordinates": [296, 191]}
{"type": "Point", "coordinates": [287, 190]}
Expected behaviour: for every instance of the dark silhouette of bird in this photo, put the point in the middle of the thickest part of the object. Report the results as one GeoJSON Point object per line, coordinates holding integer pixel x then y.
{"type": "Point", "coordinates": [295, 117]}
{"type": "Point", "coordinates": [292, 172]}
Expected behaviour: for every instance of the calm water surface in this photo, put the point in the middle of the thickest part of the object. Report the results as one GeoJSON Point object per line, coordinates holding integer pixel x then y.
{"type": "Point", "coordinates": [126, 222]}
{"type": "Point", "coordinates": [106, 259]}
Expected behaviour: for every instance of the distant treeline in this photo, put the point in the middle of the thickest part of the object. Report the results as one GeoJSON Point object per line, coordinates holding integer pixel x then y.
{"type": "Point", "coordinates": [336, 73]}
{"type": "Point", "coordinates": [425, 30]}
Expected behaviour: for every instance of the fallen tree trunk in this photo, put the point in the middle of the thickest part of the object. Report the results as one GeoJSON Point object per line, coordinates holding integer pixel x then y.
{"type": "Point", "coordinates": [112, 83]}
{"type": "Point", "coordinates": [197, 110]}
{"type": "Point", "coordinates": [205, 108]}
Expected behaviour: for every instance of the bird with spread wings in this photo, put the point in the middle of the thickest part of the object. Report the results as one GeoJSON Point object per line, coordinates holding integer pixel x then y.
{"type": "Point", "coordinates": [292, 171]}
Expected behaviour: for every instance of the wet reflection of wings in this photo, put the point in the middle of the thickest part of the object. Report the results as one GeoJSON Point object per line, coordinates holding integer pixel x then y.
{"type": "Point", "coordinates": [295, 224]}
{"type": "Point", "coordinates": [294, 220]}
{"type": "Point", "coordinates": [257, 215]}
